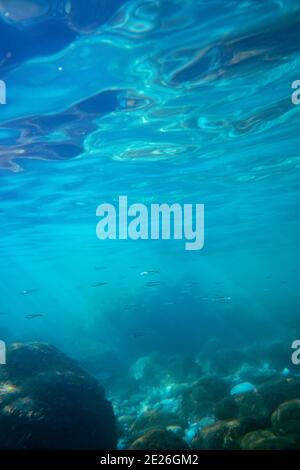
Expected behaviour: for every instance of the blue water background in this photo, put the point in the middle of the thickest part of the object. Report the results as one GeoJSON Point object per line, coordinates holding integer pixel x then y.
{"type": "Point", "coordinates": [163, 101]}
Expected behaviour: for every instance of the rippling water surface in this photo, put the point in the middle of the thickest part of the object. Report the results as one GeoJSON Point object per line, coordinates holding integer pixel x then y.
{"type": "Point", "coordinates": [163, 101]}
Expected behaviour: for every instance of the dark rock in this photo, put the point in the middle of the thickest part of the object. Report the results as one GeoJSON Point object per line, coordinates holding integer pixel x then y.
{"type": "Point", "coordinates": [276, 391]}
{"type": "Point", "coordinates": [25, 360]}
{"type": "Point", "coordinates": [250, 407]}
{"type": "Point", "coordinates": [286, 419]}
{"type": "Point", "coordinates": [220, 436]}
{"type": "Point", "coordinates": [265, 440]}
{"type": "Point", "coordinates": [199, 399]}
{"type": "Point", "coordinates": [159, 439]}
{"type": "Point", "coordinates": [215, 387]}
{"type": "Point", "coordinates": [253, 408]}
{"type": "Point", "coordinates": [226, 408]}
{"type": "Point", "coordinates": [48, 402]}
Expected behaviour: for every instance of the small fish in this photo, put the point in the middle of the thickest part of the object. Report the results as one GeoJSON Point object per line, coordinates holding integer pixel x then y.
{"type": "Point", "coordinates": [132, 306]}
{"type": "Point", "coordinates": [153, 283]}
{"type": "Point", "coordinates": [221, 299]}
{"type": "Point", "coordinates": [98, 284]}
{"type": "Point", "coordinates": [100, 268]}
{"type": "Point", "coordinates": [3, 313]}
{"type": "Point", "coordinates": [147, 273]}
{"type": "Point", "coordinates": [34, 315]}
{"type": "Point", "coordinates": [26, 292]}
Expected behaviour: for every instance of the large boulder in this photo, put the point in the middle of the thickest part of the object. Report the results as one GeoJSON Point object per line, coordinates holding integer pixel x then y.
{"type": "Point", "coordinates": [48, 402]}
{"type": "Point", "coordinates": [276, 391]}
{"type": "Point", "coordinates": [286, 419]}
{"type": "Point", "coordinates": [265, 440]}
{"type": "Point", "coordinates": [222, 435]}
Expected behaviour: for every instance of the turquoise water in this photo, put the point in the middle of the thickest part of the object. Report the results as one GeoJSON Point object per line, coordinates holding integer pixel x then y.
{"type": "Point", "coordinates": [163, 101]}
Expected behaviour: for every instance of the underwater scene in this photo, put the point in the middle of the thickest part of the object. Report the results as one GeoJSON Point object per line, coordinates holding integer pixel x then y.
{"type": "Point", "coordinates": [113, 335]}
